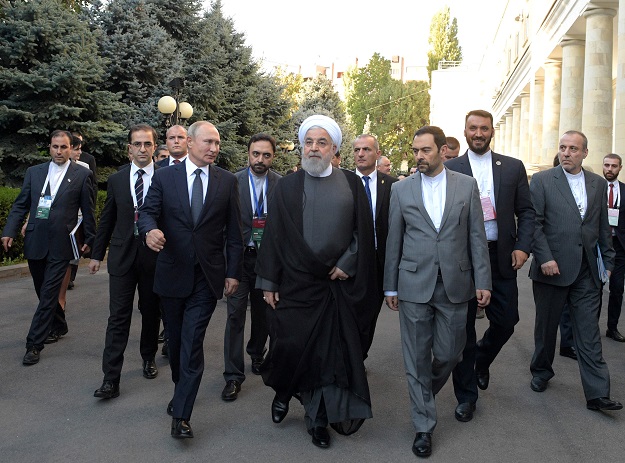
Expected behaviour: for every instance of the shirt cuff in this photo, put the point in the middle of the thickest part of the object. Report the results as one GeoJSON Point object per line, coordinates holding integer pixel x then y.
{"type": "Point", "coordinates": [390, 293]}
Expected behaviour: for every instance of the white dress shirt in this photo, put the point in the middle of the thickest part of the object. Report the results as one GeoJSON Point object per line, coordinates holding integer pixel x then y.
{"type": "Point", "coordinates": [56, 174]}
{"type": "Point", "coordinates": [577, 183]}
{"type": "Point", "coordinates": [373, 186]}
{"type": "Point", "coordinates": [191, 168]}
{"type": "Point", "coordinates": [482, 168]}
{"type": "Point", "coordinates": [147, 179]}
{"type": "Point", "coordinates": [434, 193]}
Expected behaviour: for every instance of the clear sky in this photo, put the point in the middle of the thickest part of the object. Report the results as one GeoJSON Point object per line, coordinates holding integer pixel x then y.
{"type": "Point", "coordinates": [290, 32]}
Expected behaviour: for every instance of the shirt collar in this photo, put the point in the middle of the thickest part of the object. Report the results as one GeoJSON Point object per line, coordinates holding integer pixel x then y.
{"type": "Point", "coordinates": [436, 179]}
{"type": "Point", "coordinates": [373, 176]}
{"type": "Point", "coordinates": [149, 169]}
{"type": "Point", "coordinates": [191, 168]}
{"type": "Point", "coordinates": [480, 157]}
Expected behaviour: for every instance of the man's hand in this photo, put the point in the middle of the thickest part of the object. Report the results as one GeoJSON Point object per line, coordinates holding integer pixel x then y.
{"type": "Point", "coordinates": [550, 268]}
{"type": "Point", "coordinates": [337, 273]}
{"type": "Point", "coordinates": [230, 286]}
{"type": "Point", "coordinates": [392, 302]}
{"type": "Point", "coordinates": [518, 259]}
{"type": "Point", "coordinates": [483, 297]}
{"type": "Point", "coordinates": [271, 298]}
{"type": "Point", "coordinates": [23, 231]}
{"type": "Point", "coordinates": [7, 242]}
{"type": "Point", "coordinates": [85, 249]}
{"type": "Point", "coordinates": [94, 266]}
{"type": "Point", "coordinates": [155, 240]}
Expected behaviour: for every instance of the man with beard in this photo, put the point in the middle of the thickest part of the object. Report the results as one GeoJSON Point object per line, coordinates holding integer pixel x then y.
{"type": "Point", "coordinates": [436, 248]}
{"type": "Point", "coordinates": [256, 187]}
{"type": "Point", "coordinates": [315, 267]}
{"type": "Point", "coordinates": [612, 165]}
{"type": "Point", "coordinates": [509, 223]}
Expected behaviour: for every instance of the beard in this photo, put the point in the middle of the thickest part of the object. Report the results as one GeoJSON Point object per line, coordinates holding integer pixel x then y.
{"type": "Point", "coordinates": [315, 166]}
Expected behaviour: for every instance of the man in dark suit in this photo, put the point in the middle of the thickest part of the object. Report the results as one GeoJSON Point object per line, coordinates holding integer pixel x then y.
{"type": "Point", "coordinates": [191, 217]}
{"type": "Point", "coordinates": [612, 165]}
{"type": "Point", "coordinates": [176, 142]}
{"type": "Point", "coordinates": [256, 184]}
{"type": "Point", "coordinates": [87, 158]}
{"type": "Point", "coordinates": [52, 194]}
{"type": "Point", "coordinates": [130, 264]}
{"type": "Point", "coordinates": [571, 226]}
{"type": "Point", "coordinates": [509, 224]}
{"type": "Point", "coordinates": [378, 188]}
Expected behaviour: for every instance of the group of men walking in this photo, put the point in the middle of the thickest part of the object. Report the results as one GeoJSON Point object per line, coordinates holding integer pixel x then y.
{"type": "Point", "coordinates": [317, 252]}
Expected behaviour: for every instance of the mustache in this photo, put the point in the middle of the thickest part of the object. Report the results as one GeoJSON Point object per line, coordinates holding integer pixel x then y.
{"type": "Point", "coordinates": [422, 163]}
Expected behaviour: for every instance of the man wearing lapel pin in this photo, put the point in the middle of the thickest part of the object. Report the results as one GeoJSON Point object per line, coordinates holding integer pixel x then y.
{"type": "Point", "coordinates": [436, 261]}
{"type": "Point", "coordinates": [191, 217]}
{"type": "Point", "coordinates": [52, 193]}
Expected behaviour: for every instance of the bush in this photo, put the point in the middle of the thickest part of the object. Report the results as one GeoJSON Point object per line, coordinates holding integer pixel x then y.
{"type": "Point", "coordinates": [16, 253]}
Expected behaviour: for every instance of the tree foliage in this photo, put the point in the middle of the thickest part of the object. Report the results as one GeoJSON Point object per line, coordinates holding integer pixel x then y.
{"type": "Point", "coordinates": [443, 40]}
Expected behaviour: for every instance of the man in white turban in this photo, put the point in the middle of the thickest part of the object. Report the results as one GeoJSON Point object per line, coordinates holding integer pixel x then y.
{"type": "Point", "coordinates": [315, 268]}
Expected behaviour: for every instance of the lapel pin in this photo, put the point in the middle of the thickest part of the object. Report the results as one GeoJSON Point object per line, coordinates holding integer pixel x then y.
{"type": "Point", "coordinates": [382, 181]}
{"type": "Point", "coordinates": [69, 180]}
{"type": "Point", "coordinates": [498, 163]}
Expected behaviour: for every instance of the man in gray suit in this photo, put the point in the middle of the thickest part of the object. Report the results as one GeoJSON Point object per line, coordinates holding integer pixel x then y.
{"type": "Point", "coordinates": [436, 249]}
{"type": "Point", "coordinates": [256, 185]}
{"type": "Point", "coordinates": [571, 222]}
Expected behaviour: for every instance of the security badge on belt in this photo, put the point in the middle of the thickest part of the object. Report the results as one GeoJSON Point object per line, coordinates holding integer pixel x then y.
{"type": "Point", "coordinates": [43, 208]}
{"type": "Point", "coordinates": [258, 227]}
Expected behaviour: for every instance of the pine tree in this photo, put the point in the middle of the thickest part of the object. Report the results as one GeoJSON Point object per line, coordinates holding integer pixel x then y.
{"type": "Point", "coordinates": [50, 78]}
{"type": "Point", "coordinates": [443, 40]}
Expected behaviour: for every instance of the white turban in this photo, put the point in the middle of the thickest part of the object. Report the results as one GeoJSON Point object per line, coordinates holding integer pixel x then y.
{"type": "Point", "coordinates": [326, 123]}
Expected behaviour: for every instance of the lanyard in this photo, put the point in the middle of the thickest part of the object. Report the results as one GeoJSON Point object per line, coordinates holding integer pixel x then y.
{"type": "Point", "coordinates": [256, 199]}
{"type": "Point", "coordinates": [54, 190]}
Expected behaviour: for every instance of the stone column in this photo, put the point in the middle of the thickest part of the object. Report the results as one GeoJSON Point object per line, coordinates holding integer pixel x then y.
{"type": "Point", "coordinates": [619, 122]}
{"type": "Point", "coordinates": [597, 109]}
{"type": "Point", "coordinates": [516, 130]}
{"type": "Point", "coordinates": [501, 136]}
{"type": "Point", "coordinates": [537, 98]}
{"type": "Point", "coordinates": [508, 134]}
{"type": "Point", "coordinates": [524, 132]}
{"type": "Point", "coordinates": [551, 111]}
{"type": "Point", "coordinates": [572, 84]}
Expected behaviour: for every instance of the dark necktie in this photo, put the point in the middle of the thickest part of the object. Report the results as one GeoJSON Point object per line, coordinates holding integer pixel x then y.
{"type": "Point", "coordinates": [611, 197]}
{"type": "Point", "coordinates": [197, 197]}
{"type": "Point", "coordinates": [139, 187]}
{"type": "Point", "coordinates": [176, 161]}
{"type": "Point", "coordinates": [366, 178]}
{"type": "Point", "coordinates": [259, 210]}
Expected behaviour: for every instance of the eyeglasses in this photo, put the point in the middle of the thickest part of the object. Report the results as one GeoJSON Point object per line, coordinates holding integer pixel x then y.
{"type": "Point", "coordinates": [139, 144]}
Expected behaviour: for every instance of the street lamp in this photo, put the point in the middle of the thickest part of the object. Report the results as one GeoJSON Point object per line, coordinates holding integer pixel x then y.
{"type": "Point", "coordinates": [286, 145]}
{"type": "Point", "coordinates": [175, 112]}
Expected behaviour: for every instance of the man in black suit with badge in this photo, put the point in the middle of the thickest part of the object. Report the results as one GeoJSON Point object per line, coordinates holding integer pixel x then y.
{"type": "Point", "coordinates": [130, 264]}
{"type": "Point", "coordinates": [52, 194]}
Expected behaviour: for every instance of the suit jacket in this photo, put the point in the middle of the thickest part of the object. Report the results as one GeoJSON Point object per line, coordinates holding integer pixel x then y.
{"type": "Point", "coordinates": [117, 227]}
{"type": "Point", "coordinates": [619, 230]}
{"type": "Point", "coordinates": [167, 208]}
{"type": "Point", "coordinates": [50, 237]}
{"type": "Point", "coordinates": [245, 201]}
{"type": "Point", "coordinates": [561, 234]}
{"type": "Point", "coordinates": [415, 250]}
{"type": "Point", "coordinates": [382, 203]}
{"type": "Point", "coordinates": [89, 159]}
{"type": "Point", "coordinates": [513, 205]}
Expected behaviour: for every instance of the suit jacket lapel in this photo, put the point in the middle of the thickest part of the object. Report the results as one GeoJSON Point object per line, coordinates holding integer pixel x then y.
{"type": "Point", "coordinates": [70, 176]}
{"type": "Point", "coordinates": [496, 160]}
{"type": "Point", "coordinates": [591, 192]}
{"type": "Point", "coordinates": [246, 200]}
{"type": "Point", "coordinates": [465, 165]}
{"type": "Point", "coordinates": [214, 177]}
{"type": "Point", "coordinates": [450, 193]}
{"type": "Point", "coordinates": [182, 189]}
{"type": "Point", "coordinates": [418, 195]}
{"type": "Point", "coordinates": [562, 184]}
{"type": "Point", "coordinates": [381, 193]}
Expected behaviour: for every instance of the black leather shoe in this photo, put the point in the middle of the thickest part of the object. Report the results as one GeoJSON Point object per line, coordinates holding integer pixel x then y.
{"type": "Point", "coordinates": [569, 352]}
{"type": "Point", "coordinates": [108, 390]}
{"type": "Point", "coordinates": [165, 349]}
{"type": "Point", "coordinates": [278, 410]}
{"type": "Point", "coordinates": [231, 390]}
{"type": "Point", "coordinates": [464, 412]}
{"type": "Point", "coordinates": [614, 334]}
{"type": "Point", "coordinates": [256, 363]}
{"type": "Point", "coordinates": [52, 338]}
{"type": "Point", "coordinates": [31, 357]}
{"type": "Point", "coordinates": [70, 285]}
{"type": "Point", "coordinates": [422, 445]}
{"type": "Point", "coordinates": [170, 408]}
{"type": "Point", "coordinates": [538, 384]}
{"type": "Point", "coordinates": [483, 377]}
{"type": "Point", "coordinates": [181, 429]}
{"type": "Point", "coordinates": [161, 337]}
{"type": "Point", "coordinates": [320, 436]}
{"type": "Point", "coordinates": [603, 403]}
{"type": "Point", "coordinates": [149, 369]}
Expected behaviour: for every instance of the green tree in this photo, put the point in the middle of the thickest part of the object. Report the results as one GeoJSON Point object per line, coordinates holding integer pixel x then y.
{"type": "Point", "coordinates": [50, 77]}
{"type": "Point", "coordinates": [443, 40]}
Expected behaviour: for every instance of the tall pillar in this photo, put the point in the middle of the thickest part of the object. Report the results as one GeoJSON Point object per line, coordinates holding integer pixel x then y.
{"type": "Point", "coordinates": [501, 141]}
{"type": "Point", "coordinates": [494, 142]}
{"type": "Point", "coordinates": [597, 109]}
{"type": "Point", "coordinates": [537, 99]}
{"type": "Point", "coordinates": [524, 132]}
{"type": "Point", "coordinates": [619, 122]}
{"type": "Point", "coordinates": [516, 130]}
{"type": "Point", "coordinates": [551, 111]}
{"type": "Point", "coordinates": [508, 134]}
{"type": "Point", "coordinates": [573, 58]}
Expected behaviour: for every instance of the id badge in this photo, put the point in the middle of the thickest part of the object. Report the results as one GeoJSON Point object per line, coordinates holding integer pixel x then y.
{"type": "Point", "coordinates": [43, 208]}
{"type": "Point", "coordinates": [613, 217]}
{"type": "Point", "coordinates": [488, 209]}
{"type": "Point", "coordinates": [258, 227]}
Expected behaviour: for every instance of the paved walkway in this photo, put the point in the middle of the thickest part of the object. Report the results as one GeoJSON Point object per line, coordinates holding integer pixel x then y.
{"type": "Point", "coordinates": [49, 413]}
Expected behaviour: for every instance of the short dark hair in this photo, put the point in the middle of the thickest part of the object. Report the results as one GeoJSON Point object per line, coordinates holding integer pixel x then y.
{"type": "Point", "coordinates": [452, 143]}
{"type": "Point", "coordinates": [436, 132]}
{"type": "Point", "coordinates": [143, 128]}
{"type": "Point", "coordinates": [262, 137]}
{"type": "Point", "coordinates": [76, 141]}
{"type": "Point", "coordinates": [160, 148]}
{"type": "Point", "coordinates": [614, 156]}
{"type": "Point", "coordinates": [577, 132]}
{"type": "Point", "coordinates": [61, 133]}
{"type": "Point", "coordinates": [479, 113]}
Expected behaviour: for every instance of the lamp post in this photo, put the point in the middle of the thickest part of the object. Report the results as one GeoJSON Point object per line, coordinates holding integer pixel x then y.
{"type": "Point", "coordinates": [174, 111]}
{"type": "Point", "coordinates": [286, 146]}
